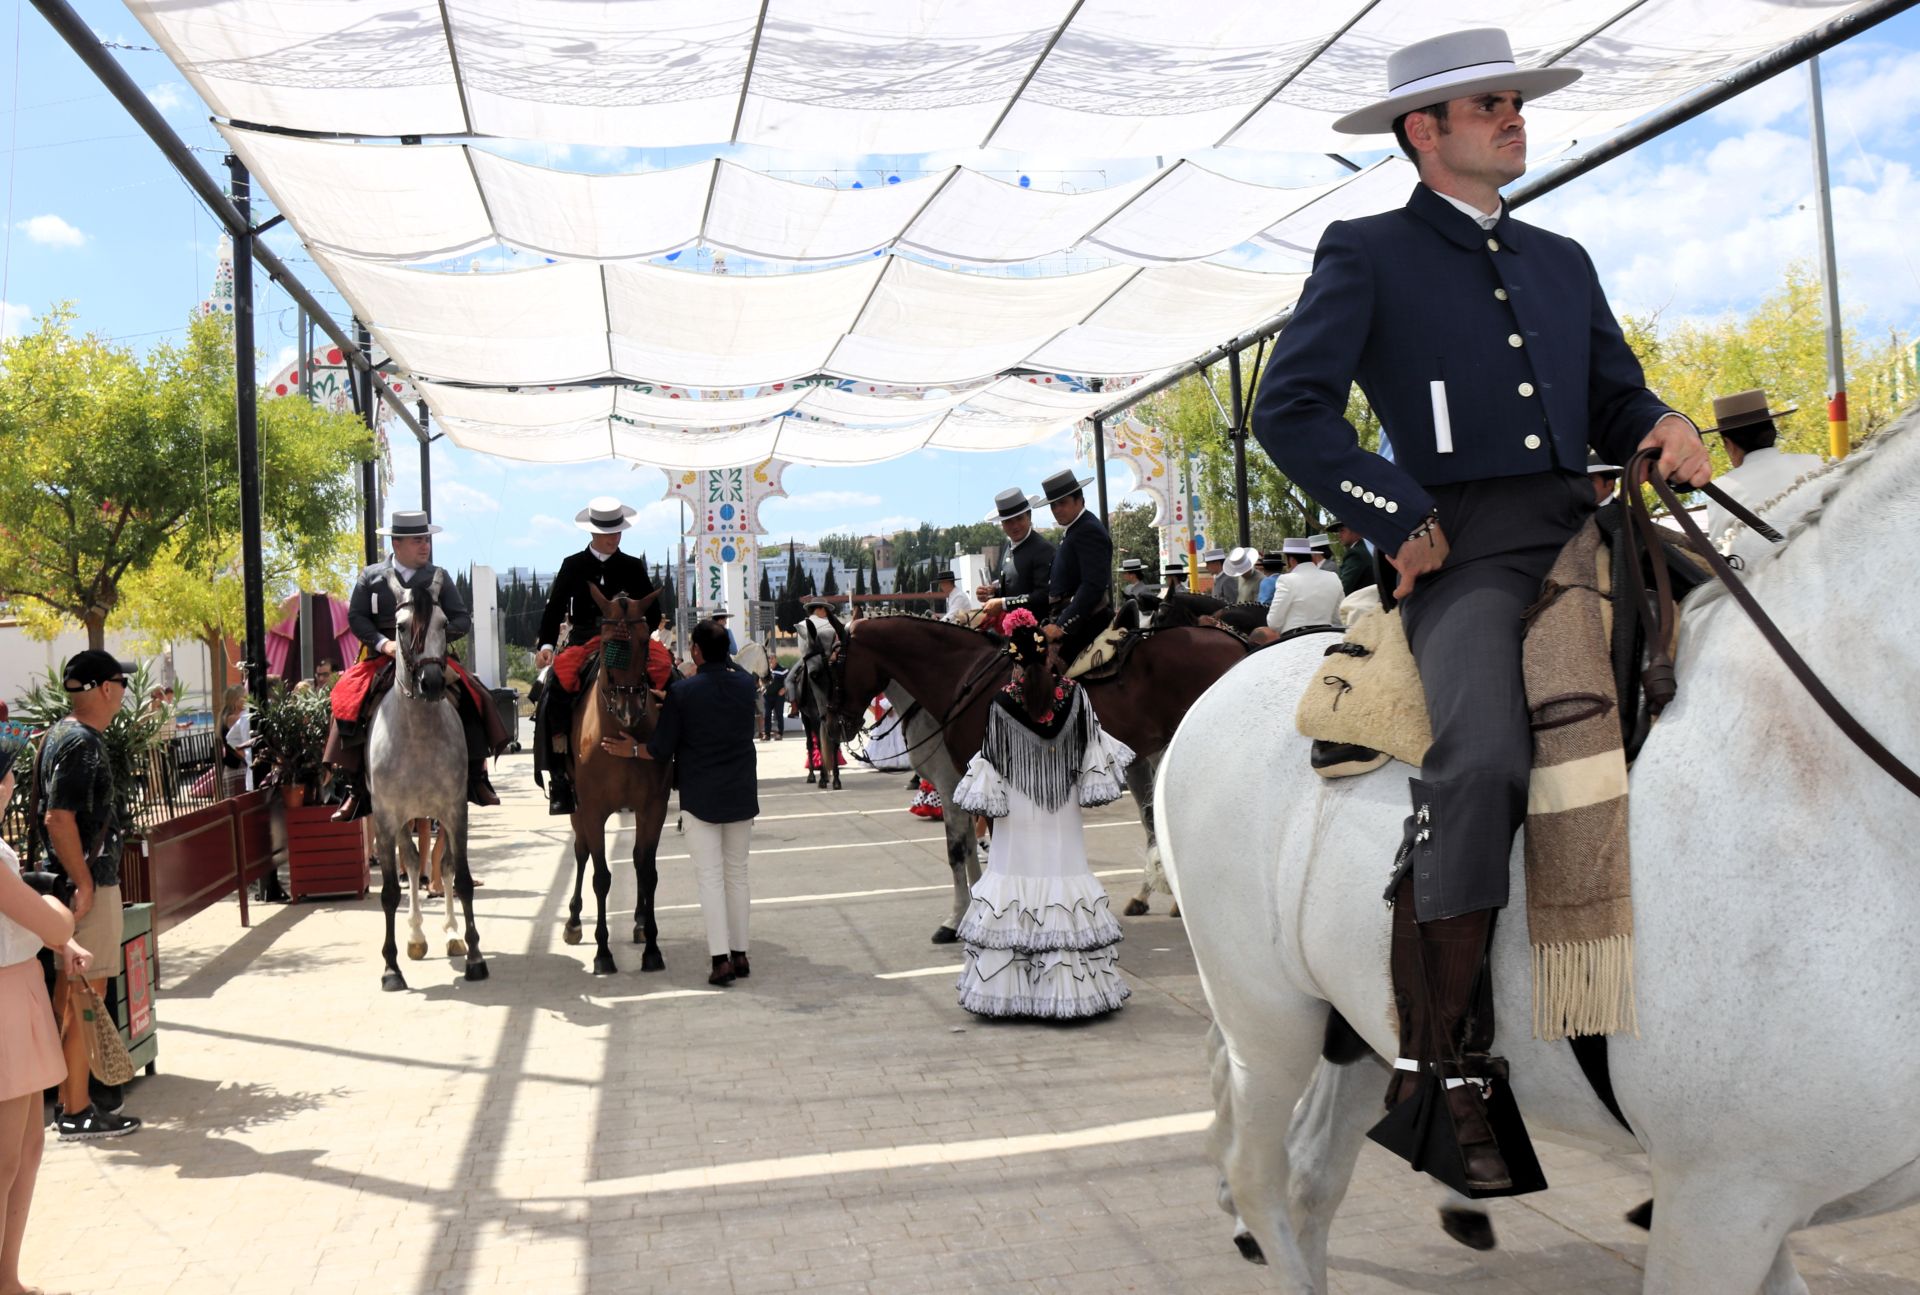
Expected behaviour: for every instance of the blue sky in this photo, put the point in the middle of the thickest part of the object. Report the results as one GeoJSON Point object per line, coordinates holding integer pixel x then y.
{"type": "Point", "coordinates": [1700, 222]}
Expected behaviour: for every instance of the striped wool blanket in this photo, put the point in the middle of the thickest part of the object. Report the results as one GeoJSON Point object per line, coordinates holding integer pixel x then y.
{"type": "Point", "coordinates": [1579, 897]}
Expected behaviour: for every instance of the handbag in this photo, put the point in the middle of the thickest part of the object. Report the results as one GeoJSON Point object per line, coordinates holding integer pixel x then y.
{"type": "Point", "coordinates": [107, 1056]}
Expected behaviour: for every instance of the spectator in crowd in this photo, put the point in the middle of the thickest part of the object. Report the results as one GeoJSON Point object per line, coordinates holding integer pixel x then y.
{"type": "Point", "coordinates": [82, 832]}
{"type": "Point", "coordinates": [239, 739]}
{"type": "Point", "coordinates": [772, 722]}
{"type": "Point", "coordinates": [323, 676]}
{"type": "Point", "coordinates": [30, 1057]}
{"type": "Point", "coordinates": [707, 725]}
{"type": "Point", "coordinates": [233, 762]}
{"type": "Point", "coordinates": [724, 619]}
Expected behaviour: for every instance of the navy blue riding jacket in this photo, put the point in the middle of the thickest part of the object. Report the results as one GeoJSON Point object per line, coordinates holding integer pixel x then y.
{"type": "Point", "coordinates": [1485, 354]}
{"type": "Point", "coordinates": [707, 725]}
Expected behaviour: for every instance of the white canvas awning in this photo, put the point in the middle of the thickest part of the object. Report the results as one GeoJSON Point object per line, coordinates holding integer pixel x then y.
{"type": "Point", "coordinates": [1108, 78]}
{"type": "Point", "coordinates": [910, 314]}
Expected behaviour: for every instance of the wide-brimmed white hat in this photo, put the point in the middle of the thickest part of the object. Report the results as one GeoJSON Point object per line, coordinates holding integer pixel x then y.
{"type": "Point", "coordinates": [1453, 66]}
{"type": "Point", "coordinates": [605, 516]}
{"type": "Point", "coordinates": [1240, 561]}
{"type": "Point", "coordinates": [1296, 546]}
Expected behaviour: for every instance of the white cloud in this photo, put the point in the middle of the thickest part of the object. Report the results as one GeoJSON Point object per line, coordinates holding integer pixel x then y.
{"type": "Point", "coordinates": [167, 96]}
{"type": "Point", "coordinates": [51, 231]}
{"type": "Point", "coordinates": [13, 318]}
{"type": "Point", "coordinates": [453, 497]}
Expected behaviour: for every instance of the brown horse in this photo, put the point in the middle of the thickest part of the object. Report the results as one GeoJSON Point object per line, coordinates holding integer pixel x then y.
{"type": "Point", "coordinates": [619, 703]}
{"type": "Point", "coordinates": [953, 673]}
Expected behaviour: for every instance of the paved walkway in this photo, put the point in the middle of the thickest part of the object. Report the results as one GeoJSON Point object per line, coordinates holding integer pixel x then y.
{"type": "Point", "coordinates": [836, 1122]}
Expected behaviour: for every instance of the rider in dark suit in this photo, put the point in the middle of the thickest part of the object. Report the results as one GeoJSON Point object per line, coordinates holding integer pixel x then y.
{"type": "Point", "coordinates": [602, 566]}
{"type": "Point", "coordinates": [1490, 354]}
{"type": "Point", "coordinates": [371, 615]}
{"type": "Point", "coordinates": [1027, 562]}
{"type": "Point", "coordinates": [1077, 591]}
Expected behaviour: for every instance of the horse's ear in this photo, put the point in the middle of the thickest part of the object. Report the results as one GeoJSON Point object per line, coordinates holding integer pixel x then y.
{"type": "Point", "coordinates": [605, 603]}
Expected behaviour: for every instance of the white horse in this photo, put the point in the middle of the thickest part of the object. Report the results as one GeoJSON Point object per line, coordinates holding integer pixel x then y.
{"type": "Point", "coordinates": [417, 769]}
{"type": "Point", "coordinates": [1776, 914]}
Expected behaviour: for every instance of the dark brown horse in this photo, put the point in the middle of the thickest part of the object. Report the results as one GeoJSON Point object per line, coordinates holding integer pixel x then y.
{"type": "Point", "coordinates": [619, 703]}
{"type": "Point", "coordinates": [953, 672]}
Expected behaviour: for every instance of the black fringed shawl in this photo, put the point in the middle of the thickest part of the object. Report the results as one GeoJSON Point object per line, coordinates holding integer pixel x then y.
{"type": "Point", "coordinates": [1040, 758]}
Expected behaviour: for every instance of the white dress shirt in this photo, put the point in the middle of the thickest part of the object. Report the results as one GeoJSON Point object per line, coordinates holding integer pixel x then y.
{"type": "Point", "coordinates": [1762, 475]}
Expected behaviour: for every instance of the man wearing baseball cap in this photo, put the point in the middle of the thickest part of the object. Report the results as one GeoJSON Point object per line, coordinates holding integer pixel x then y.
{"type": "Point", "coordinates": [82, 832]}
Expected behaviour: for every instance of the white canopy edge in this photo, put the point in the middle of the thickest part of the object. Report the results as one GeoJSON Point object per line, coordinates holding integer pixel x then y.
{"type": "Point", "coordinates": [885, 320]}
{"type": "Point", "coordinates": [429, 202]}
{"type": "Point", "coordinates": [827, 425]}
{"type": "Point", "coordinates": [1117, 79]}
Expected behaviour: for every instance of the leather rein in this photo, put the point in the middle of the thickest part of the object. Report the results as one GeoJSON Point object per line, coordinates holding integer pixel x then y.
{"type": "Point", "coordinates": [1659, 615]}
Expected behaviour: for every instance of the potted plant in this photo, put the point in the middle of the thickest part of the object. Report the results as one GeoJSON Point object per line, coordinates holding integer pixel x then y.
{"type": "Point", "coordinates": [290, 734]}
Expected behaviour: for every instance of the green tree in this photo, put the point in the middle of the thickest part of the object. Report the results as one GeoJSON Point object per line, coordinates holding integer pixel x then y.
{"type": "Point", "coordinates": [108, 460]}
{"type": "Point", "coordinates": [860, 580]}
{"type": "Point", "coordinates": [1134, 536]}
{"type": "Point", "coordinates": [830, 586]}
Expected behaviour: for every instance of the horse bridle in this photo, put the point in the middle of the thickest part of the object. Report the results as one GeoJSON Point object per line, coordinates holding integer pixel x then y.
{"type": "Point", "coordinates": [1657, 611]}
{"type": "Point", "coordinates": [610, 690]}
{"type": "Point", "coordinates": [417, 631]}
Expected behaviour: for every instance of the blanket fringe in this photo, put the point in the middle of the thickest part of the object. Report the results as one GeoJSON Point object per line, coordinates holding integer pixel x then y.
{"type": "Point", "coordinates": [1585, 987]}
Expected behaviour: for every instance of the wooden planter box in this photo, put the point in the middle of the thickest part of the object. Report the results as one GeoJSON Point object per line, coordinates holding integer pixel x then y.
{"type": "Point", "coordinates": [324, 857]}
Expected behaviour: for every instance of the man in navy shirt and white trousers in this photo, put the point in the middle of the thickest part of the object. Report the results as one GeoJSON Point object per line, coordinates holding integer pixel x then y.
{"type": "Point", "coordinates": [1489, 352]}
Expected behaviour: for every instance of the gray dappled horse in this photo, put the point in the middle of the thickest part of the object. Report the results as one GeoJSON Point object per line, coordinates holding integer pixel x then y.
{"type": "Point", "coordinates": [416, 768]}
{"type": "Point", "coordinates": [618, 702]}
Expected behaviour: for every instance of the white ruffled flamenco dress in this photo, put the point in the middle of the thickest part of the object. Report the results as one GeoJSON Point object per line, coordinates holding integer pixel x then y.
{"type": "Point", "coordinates": [1039, 934]}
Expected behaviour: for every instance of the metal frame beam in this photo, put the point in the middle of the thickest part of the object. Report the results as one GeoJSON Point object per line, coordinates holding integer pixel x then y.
{"type": "Point", "coordinates": [80, 38]}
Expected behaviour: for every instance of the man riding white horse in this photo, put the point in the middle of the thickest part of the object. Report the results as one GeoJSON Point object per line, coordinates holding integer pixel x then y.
{"type": "Point", "coordinates": [370, 614]}
{"type": "Point", "coordinates": [600, 566]}
{"type": "Point", "coordinates": [1493, 360]}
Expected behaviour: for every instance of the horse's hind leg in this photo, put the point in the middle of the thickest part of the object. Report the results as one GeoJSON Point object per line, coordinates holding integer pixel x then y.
{"type": "Point", "coordinates": [1323, 1144]}
{"type": "Point", "coordinates": [1268, 1063]}
{"type": "Point", "coordinates": [1140, 783]}
{"type": "Point", "coordinates": [571, 931]}
{"type": "Point", "coordinates": [1719, 1231]}
{"type": "Point", "coordinates": [390, 979]}
{"type": "Point", "coordinates": [456, 830]}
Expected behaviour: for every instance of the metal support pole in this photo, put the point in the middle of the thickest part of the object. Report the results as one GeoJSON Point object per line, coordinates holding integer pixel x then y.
{"type": "Point", "coordinates": [303, 353]}
{"type": "Point", "coordinates": [252, 568]}
{"type": "Point", "coordinates": [680, 603]}
{"type": "Point", "coordinates": [369, 478]}
{"type": "Point", "coordinates": [1838, 432]}
{"type": "Point", "coordinates": [1238, 432]}
{"type": "Point", "coordinates": [1100, 465]}
{"type": "Point", "coordinates": [426, 467]}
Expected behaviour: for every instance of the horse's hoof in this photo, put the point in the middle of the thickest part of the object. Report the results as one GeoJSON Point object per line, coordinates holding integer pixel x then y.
{"type": "Point", "coordinates": [456, 948]}
{"type": "Point", "coordinates": [571, 932]}
{"type": "Point", "coordinates": [945, 935]}
{"type": "Point", "coordinates": [393, 982]}
{"type": "Point", "coordinates": [1249, 1248]}
{"type": "Point", "coordinates": [603, 964]}
{"type": "Point", "coordinates": [1174, 911]}
{"type": "Point", "coordinates": [1641, 1216]}
{"type": "Point", "coordinates": [652, 961]}
{"type": "Point", "coordinates": [1136, 907]}
{"type": "Point", "coordinates": [1471, 1228]}
{"type": "Point", "coordinates": [476, 970]}
{"type": "Point", "coordinates": [416, 949]}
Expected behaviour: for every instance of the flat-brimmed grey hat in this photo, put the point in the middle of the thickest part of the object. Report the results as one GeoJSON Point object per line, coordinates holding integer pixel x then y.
{"type": "Point", "coordinates": [1135, 565]}
{"type": "Point", "coordinates": [1009, 504]}
{"type": "Point", "coordinates": [1062, 484]}
{"type": "Point", "coordinates": [1321, 543]}
{"type": "Point", "coordinates": [1296, 546]}
{"type": "Point", "coordinates": [1177, 569]}
{"type": "Point", "coordinates": [409, 524]}
{"type": "Point", "coordinates": [604, 516]}
{"type": "Point", "coordinates": [1454, 66]}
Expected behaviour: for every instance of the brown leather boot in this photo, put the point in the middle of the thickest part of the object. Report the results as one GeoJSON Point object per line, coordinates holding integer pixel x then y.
{"type": "Point", "coordinates": [1444, 1007]}
{"type": "Point", "coordinates": [479, 787]}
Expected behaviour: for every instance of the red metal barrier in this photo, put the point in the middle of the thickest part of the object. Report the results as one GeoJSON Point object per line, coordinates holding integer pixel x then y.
{"type": "Point", "coordinates": [200, 858]}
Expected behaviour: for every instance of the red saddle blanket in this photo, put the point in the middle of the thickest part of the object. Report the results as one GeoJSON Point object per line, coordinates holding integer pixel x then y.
{"type": "Point", "coordinates": [568, 664]}
{"type": "Point", "coordinates": [350, 690]}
